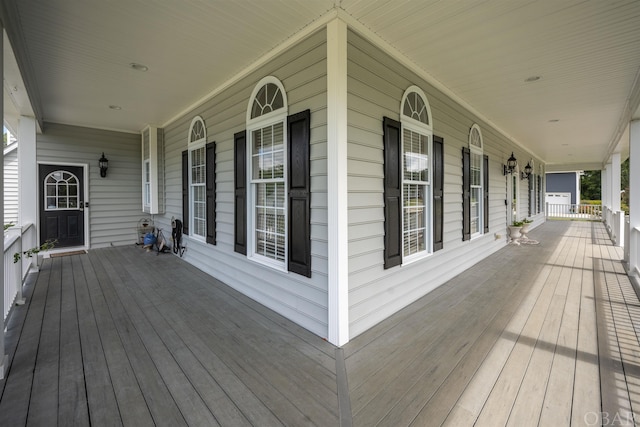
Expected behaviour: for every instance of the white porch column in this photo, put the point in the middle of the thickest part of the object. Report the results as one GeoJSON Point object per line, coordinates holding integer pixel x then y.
{"type": "Point", "coordinates": [605, 189]}
{"type": "Point", "coordinates": [634, 199]}
{"type": "Point", "coordinates": [617, 217]}
{"type": "Point", "coordinates": [28, 182]}
{"type": "Point", "coordinates": [338, 280]}
{"type": "Point", "coordinates": [614, 184]}
{"type": "Point", "coordinates": [28, 170]}
{"type": "Point", "coordinates": [3, 356]}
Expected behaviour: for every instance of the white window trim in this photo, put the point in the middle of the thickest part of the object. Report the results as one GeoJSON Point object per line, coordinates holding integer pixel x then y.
{"type": "Point", "coordinates": [421, 128]}
{"type": "Point", "coordinates": [192, 146]}
{"type": "Point", "coordinates": [257, 123]}
{"type": "Point", "coordinates": [479, 151]}
{"type": "Point", "coordinates": [146, 183]}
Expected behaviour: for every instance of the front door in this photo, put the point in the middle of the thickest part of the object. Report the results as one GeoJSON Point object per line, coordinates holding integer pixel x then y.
{"type": "Point", "coordinates": [62, 205]}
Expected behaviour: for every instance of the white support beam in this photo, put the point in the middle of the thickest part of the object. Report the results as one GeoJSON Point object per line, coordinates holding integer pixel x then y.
{"type": "Point", "coordinates": [614, 184]}
{"type": "Point", "coordinates": [3, 356]}
{"type": "Point", "coordinates": [28, 184]}
{"type": "Point", "coordinates": [634, 198]}
{"type": "Point", "coordinates": [337, 202]}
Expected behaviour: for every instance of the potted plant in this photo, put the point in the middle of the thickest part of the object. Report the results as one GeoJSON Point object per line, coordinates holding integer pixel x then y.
{"type": "Point", "coordinates": [514, 230]}
{"type": "Point", "coordinates": [525, 227]}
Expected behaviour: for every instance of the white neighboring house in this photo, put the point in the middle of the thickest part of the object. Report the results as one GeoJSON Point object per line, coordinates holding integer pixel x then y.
{"type": "Point", "coordinates": [11, 183]}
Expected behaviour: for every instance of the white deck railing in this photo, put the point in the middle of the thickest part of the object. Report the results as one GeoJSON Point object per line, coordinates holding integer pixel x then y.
{"type": "Point", "coordinates": [15, 272]}
{"type": "Point", "coordinates": [574, 211]}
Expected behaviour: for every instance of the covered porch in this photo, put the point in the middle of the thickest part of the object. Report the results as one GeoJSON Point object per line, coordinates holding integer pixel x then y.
{"type": "Point", "coordinates": [536, 334]}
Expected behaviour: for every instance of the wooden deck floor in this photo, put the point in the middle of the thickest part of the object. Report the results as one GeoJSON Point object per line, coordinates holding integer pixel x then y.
{"type": "Point", "coordinates": [541, 334]}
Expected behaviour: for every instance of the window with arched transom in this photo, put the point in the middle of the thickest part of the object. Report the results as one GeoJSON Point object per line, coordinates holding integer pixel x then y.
{"type": "Point", "coordinates": [266, 134]}
{"type": "Point", "coordinates": [416, 142]}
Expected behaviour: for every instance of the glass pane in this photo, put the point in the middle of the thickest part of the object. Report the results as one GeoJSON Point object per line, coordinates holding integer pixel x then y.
{"type": "Point", "coordinates": [51, 203]}
{"type": "Point", "coordinates": [73, 203]}
{"type": "Point", "coordinates": [51, 190]}
{"type": "Point", "coordinates": [62, 202]}
{"type": "Point", "coordinates": [270, 220]}
{"type": "Point", "coordinates": [476, 168]}
{"type": "Point", "coordinates": [414, 217]}
{"type": "Point", "coordinates": [268, 152]}
{"type": "Point", "coordinates": [416, 161]}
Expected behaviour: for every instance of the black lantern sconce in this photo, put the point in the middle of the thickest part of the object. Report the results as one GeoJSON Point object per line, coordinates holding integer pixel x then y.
{"type": "Point", "coordinates": [511, 165]}
{"type": "Point", "coordinates": [527, 171]}
{"type": "Point", "coordinates": [104, 165]}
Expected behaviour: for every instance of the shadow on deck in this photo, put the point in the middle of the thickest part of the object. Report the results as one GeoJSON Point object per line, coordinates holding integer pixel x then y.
{"type": "Point", "coordinates": [533, 335]}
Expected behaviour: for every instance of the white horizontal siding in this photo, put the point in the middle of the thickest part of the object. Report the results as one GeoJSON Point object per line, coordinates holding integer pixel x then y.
{"type": "Point", "coordinates": [376, 85]}
{"type": "Point", "coordinates": [302, 70]}
{"type": "Point", "coordinates": [11, 187]}
{"type": "Point", "coordinates": [115, 201]}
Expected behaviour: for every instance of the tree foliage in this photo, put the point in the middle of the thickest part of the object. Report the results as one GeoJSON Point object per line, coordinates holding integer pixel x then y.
{"type": "Point", "coordinates": [590, 186]}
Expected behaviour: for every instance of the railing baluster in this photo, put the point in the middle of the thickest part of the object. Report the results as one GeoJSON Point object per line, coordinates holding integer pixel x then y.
{"type": "Point", "coordinates": [15, 272]}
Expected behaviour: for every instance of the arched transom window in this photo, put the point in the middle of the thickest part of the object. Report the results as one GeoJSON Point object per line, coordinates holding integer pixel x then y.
{"type": "Point", "coordinates": [269, 98]}
{"type": "Point", "coordinates": [417, 138]}
{"type": "Point", "coordinates": [416, 108]}
{"type": "Point", "coordinates": [61, 191]}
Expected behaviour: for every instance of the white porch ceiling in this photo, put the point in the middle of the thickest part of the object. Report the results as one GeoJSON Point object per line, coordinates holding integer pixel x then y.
{"type": "Point", "coordinates": [587, 54]}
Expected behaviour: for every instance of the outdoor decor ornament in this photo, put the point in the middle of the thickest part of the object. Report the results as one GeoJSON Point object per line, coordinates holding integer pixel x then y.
{"type": "Point", "coordinates": [104, 165]}
{"type": "Point", "coordinates": [510, 166]}
{"type": "Point", "coordinates": [527, 171]}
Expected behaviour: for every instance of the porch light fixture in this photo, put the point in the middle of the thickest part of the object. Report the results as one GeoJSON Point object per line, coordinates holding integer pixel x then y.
{"type": "Point", "coordinates": [104, 165]}
{"type": "Point", "coordinates": [510, 166]}
{"type": "Point", "coordinates": [527, 171]}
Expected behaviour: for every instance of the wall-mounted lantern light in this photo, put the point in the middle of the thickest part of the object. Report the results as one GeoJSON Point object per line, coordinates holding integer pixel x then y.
{"type": "Point", "coordinates": [510, 166]}
{"type": "Point", "coordinates": [104, 165]}
{"type": "Point", "coordinates": [527, 171]}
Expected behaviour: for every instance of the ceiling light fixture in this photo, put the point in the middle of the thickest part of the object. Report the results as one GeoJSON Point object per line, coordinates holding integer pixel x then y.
{"type": "Point", "coordinates": [115, 107]}
{"type": "Point", "coordinates": [554, 120]}
{"type": "Point", "coordinates": [532, 79]}
{"type": "Point", "coordinates": [138, 67]}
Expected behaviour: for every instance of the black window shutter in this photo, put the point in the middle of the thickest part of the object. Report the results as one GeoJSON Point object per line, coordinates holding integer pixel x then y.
{"type": "Point", "coordinates": [211, 192]}
{"type": "Point", "coordinates": [298, 133]}
{"type": "Point", "coordinates": [466, 193]}
{"type": "Point", "coordinates": [530, 194]}
{"type": "Point", "coordinates": [485, 192]}
{"type": "Point", "coordinates": [392, 194]}
{"type": "Point", "coordinates": [438, 192]}
{"type": "Point", "coordinates": [539, 193]}
{"type": "Point", "coordinates": [240, 184]}
{"type": "Point", "coordinates": [185, 192]}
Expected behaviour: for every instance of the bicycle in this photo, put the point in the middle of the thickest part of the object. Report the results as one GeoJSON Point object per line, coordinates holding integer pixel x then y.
{"type": "Point", "coordinates": [156, 239]}
{"type": "Point", "coordinates": [161, 242]}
